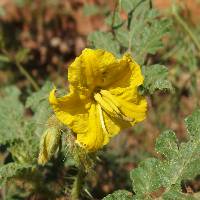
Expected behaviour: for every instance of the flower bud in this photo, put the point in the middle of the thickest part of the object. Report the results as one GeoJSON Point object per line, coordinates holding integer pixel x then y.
{"type": "Point", "coordinates": [49, 144]}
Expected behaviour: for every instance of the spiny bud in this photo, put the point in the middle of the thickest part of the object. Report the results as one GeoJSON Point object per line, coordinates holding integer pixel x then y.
{"type": "Point", "coordinates": [49, 144]}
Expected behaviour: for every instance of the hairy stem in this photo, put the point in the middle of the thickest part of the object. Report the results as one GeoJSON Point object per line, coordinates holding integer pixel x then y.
{"type": "Point", "coordinates": [21, 69]}
{"type": "Point", "coordinates": [28, 76]}
{"type": "Point", "coordinates": [77, 185]}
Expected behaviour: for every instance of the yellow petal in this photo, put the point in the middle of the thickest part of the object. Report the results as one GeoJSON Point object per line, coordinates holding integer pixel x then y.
{"type": "Point", "coordinates": [95, 137]}
{"type": "Point", "coordinates": [71, 111]}
{"type": "Point", "coordinates": [113, 125]}
{"type": "Point", "coordinates": [131, 76]}
{"type": "Point", "coordinates": [131, 104]}
{"type": "Point", "coordinates": [99, 68]}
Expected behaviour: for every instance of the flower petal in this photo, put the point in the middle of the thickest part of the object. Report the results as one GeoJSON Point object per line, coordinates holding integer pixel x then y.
{"type": "Point", "coordinates": [134, 107]}
{"type": "Point", "coordinates": [130, 103]}
{"type": "Point", "coordinates": [113, 125]}
{"type": "Point", "coordinates": [71, 111]}
{"type": "Point", "coordinates": [94, 138]}
{"type": "Point", "coordinates": [98, 68]}
{"type": "Point", "coordinates": [130, 76]}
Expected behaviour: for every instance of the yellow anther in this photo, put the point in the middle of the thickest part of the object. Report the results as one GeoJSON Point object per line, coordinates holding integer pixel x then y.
{"type": "Point", "coordinates": [107, 108]}
{"type": "Point", "coordinates": [114, 104]}
{"type": "Point", "coordinates": [102, 119]}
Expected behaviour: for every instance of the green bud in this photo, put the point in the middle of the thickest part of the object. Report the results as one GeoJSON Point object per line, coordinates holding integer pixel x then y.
{"type": "Point", "coordinates": [49, 144]}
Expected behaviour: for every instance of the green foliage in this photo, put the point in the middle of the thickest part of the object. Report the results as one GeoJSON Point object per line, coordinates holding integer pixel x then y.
{"type": "Point", "coordinates": [10, 170]}
{"type": "Point", "coordinates": [181, 162]}
{"type": "Point", "coordinates": [22, 124]}
{"type": "Point", "coordinates": [155, 78]}
{"type": "Point", "coordinates": [11, 116]}
{"type": "Point", "coordinates": [103, 40]}
{"type": "Point", "coordinates": [39, 104]}
{"type": "Point", "coordinates": [120, 194]}
{"type": "Point", "coordinates": [141, 34]}
{"type": "Point", "coordinates": [144, 30]}
{"type": "Point", "coordinates": [20, 134]}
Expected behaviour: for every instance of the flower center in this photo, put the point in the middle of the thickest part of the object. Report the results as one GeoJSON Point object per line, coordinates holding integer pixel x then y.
{"type": "Point", "coordinates": [106, 102]}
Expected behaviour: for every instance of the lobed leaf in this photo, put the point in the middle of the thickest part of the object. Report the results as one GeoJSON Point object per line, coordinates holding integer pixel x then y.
{"type": "Point", "coordinates": [157, 179]}
{"type": "Point", "coordinates": [181, 162]}
{"type": "Point", "coordinates": [10, 170]}
{"type": "Point", "coordinates": [103, 40]}
{"type": "Point", "coordinates": [143, 31]}
{"type": "Point", "coordinates": [155, 78]}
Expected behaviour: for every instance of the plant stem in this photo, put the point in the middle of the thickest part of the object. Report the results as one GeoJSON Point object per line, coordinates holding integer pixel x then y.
{"type": "Point", "coordinates": [114, 16]}
{"type": "Point", "coordinates": [185, 27]}
{"type": "Point", "coordinates": [77, 185]}
{"type": "Point", "coordinates": [22, 69]}
{"type": "Point", "coordinates": [28, 76]}
{"type": "Point", "coordinates": [150, 4]}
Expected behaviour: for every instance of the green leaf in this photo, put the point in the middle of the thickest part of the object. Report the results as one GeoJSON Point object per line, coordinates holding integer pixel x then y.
{"type": "Point", "coordinates": [143, 31]}
{"type": "Point", "coordinates": [148, 41]}
{"type": "Point", "coordinates": [155, 78]}
{"type": "Point", "coordinates": [119, 195]}
{"type": "Point", "coordinates": [26, 149]}
{"type": "Point", "coordinates": [36, 98]}
{"type": "Point", "coordinates": [179, 163]}
{"type": "Point", "coordinates": [114, 21]}
{"type": "Point", "coordinates": [129, 5]}
{"type": "Point", "coordinates": [11, 115]}
{"type": "Point", "coordinates": [103, 40]}
{"type": "Point", "coordinates": [193, 124]}
{"type": "Point", "coordinates": [10, 170]}
{"type": "Point", "coordinates": [145, 178]}
{"type": "Point", "coordinates": [162, 178]}
{"type": "Point", "coordinates": [39, 103]}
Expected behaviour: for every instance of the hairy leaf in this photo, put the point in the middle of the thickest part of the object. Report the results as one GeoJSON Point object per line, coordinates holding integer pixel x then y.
{"type": "Point", "coordinates": [103, 40]}
{"type": "Point", "coordinates": [11, 115]}
{"type": "Point", "coordinates": [38, 102]}
{"type": "Point", "coordinates": [181, 162]}
{"type": "Point", "coordinates": [10, 170]}
{"type": "Point", "coordinates": [35, 99]}
{"type": "Point", "coordinates": [143, 32]}
{"type": "Point", "coordinates": [155, 78]}
{"type": "Point", "coordinates": [161, 179]}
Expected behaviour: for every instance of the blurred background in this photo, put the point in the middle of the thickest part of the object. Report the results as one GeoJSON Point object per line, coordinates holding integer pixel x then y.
{"type": "Point", "coordinates": [44, 36]}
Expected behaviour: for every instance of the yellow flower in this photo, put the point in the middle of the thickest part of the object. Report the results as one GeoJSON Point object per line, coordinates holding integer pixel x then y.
{"type": "Point", "coordinates": [103, 97]}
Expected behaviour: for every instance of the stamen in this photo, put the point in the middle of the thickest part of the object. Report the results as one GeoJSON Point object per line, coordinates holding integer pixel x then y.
{"type": "Point", "coordinates": [107, 108]}
{"type": "Point", "coordinates": [102, 119]}
{"type": "Point", "coordinates": [114, 104]}
{"type": "Point", "coordinates": [110, 107]}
